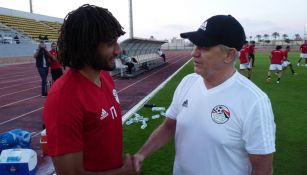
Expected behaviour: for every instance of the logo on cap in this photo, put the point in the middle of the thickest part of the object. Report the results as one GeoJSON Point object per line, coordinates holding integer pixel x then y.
{"type": "Point", "coordinates": [203, 26]}
{"type": "Point", "coordinates": [220, 114]}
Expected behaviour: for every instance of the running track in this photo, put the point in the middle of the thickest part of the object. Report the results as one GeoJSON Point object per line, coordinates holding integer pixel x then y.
{"type": "Point", "coordinates": [21, 104]}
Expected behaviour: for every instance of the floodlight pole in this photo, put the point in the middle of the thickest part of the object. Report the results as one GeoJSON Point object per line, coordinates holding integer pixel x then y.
{"type": "Point", "coordinates": [31, 10]}
{"type": "Point", "coordinates": [131, 18]}
{"type": "Point", "coordinates": [305, 31]}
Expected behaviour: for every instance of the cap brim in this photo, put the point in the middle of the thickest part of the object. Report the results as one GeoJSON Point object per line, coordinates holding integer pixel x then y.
{"type": "Point", "coordinates": [199, 38]}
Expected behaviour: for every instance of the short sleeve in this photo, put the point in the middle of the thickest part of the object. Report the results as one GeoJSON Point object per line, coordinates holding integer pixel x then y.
{"type": "Point", "coordinates": [259, 128]}
{"type": "Point", "coordinates": [64, 124]}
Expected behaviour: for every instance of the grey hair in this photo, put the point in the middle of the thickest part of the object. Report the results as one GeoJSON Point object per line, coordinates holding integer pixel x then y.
{"type": "Point", "coordinates": [226, 49]}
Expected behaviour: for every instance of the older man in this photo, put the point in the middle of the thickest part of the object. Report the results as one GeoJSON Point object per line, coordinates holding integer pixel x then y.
{"type": "Point", "coordinates": [222, 122]}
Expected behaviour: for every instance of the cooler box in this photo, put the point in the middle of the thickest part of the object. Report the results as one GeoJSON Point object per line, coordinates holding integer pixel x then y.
{"type": "Point", "coordinates": [43, 142]}
{"type": "Point", "coordinates": [18, 162]}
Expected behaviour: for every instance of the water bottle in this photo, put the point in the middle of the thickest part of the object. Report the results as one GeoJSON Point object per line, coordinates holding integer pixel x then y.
{"type": "Point", "coordinates": [163, 114]}
{"type": "Point", "coordinates": [144, 125]}
{"type": "Point", "coordinates": [49, 83]}
{"type": "Point", "coordinates": [145, 119]}
{"type": "Point", "coordinates": [159, 109]}
{"type": "Point", "coordinates": [129, 122]}
{"type": "Point", "coordinates": [155, 116]}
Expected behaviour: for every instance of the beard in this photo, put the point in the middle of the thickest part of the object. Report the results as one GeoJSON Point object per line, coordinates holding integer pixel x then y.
{"type": "Point", "coordinates": [102, 62]}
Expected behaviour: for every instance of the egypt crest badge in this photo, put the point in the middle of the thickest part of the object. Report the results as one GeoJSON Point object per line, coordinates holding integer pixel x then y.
{"type": "Point", "coordinates": [220, 114]}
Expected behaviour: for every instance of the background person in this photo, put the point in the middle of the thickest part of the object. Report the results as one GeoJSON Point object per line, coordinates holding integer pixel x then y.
{"type": "Point", "coordinates": [276, 58]}
{"type": "Point", "coordinates": [161, 54]}
{"type": "Point", "coordinates": [222, 123]}
{"type": "Point", "coordinates": [42, 57]}
{"type": "Point", "coordinates": [245, 63]}
{"type": "Point", "coordinates": [252, 53]}
{"type": "Point", "coordinates": [286, 62]}
{"type": "Point", "coordinates": [127, 61]}
{"type": "Point", "coordinates": [303, 55]}
{"type": "Point", "coordinates": [82, 112]}
{"type": "Point", "coordinates": [55, 66]}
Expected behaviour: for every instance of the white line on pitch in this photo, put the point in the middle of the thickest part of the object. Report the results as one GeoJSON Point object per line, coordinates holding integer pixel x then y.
{"type": "Point", "coordinates": [19, 91]}
{"type": "Point", "coordinates": [2, 123]}
{"type": "Point", "coordinates": [19, 101]}
{"type": "Point", "coordinates": [18, 79]}
{"type": "Point", "coordinates": [19, 84]}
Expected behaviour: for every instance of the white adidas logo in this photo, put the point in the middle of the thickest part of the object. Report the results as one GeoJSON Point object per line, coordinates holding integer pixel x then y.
{"type": "Point", "coordinates": [203, 26]}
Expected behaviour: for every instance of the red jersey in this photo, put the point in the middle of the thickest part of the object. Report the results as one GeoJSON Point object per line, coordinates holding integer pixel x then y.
{"type": "Point", "coordinates": [285, 52]}
{"type": "Point", "coordinates": [277, 56]}
{"type": "Point", "coordinates": [54, 64]}
{"type": "Point", "coordinates": [243, 58]}
{"type": "Point", "coordinates": [303, 48]}
{"type": "Point", "coordinates": [82, 117]}
{"type": "Point", "coordinates": [251, 49]}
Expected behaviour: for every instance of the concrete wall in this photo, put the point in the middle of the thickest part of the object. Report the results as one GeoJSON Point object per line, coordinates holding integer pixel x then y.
{"type": "Point", "coordinates": [17, 50]}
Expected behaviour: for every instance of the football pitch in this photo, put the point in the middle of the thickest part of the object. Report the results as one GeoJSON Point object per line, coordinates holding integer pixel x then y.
{"type": "Point", "coordinates": [289, 102]}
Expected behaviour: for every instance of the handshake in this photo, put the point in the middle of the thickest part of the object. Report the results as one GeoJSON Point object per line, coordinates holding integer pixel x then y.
{"type": "Point", "coordinates": [132, 164]}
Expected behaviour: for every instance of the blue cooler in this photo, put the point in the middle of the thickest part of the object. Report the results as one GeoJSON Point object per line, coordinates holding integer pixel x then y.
{"type": "Point", "coordinates": [18, 162]}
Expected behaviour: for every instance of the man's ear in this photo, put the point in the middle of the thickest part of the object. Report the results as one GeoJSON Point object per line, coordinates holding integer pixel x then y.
{"type": "Point", "coordinates": [231, 55]}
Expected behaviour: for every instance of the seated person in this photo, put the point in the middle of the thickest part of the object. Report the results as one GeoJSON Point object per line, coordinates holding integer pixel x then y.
{"type": "Point", "coordinates": [161, 54]}
{"type": "Point", "coordinates": [128, 61]}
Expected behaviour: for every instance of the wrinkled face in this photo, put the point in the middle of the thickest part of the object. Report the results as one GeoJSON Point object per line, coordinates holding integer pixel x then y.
{"type": "Point", "coordinates": [208, 61]}
{"type": "Point", "coordinates": [105, 56]}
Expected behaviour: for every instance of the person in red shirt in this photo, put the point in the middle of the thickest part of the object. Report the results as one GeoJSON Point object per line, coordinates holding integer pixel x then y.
{"type": "Point", "coordinates": [303, 55]}
{"type": "Point", "coordinates": [286, 62]}
{"type": "Point", "coordinates": [277, 56]}
{"type": "Point", "coordinates": [244, 60]}
{"type": "Point", "coordinates": [252, 53]}
{"type": "Point", "coordinates": [82, 113]}
{"type": "Point", "coordinates": [56, 67]}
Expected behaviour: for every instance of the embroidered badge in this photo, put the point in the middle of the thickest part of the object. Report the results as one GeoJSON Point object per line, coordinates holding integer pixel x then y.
{"type": "Point", "coordinates": [220, 114]}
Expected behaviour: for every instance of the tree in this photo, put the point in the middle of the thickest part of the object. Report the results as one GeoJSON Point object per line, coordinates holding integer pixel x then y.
{"type": "Point", "coordinates": [275, 35]}
{"type": "Point", "coordinates": [297, 37]}
{"type": "Point", "coordinates": [285, 37]}
{"type": "Point", "coordinates": [266, 36]}
{"type": "Point", "coordinates": [259, 37]}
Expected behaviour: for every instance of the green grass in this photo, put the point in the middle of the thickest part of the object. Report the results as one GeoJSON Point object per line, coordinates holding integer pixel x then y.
{"type": "Point", "coordinates": [289, 102]}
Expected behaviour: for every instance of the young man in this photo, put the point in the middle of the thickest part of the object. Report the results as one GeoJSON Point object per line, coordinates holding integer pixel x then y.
{"type": "Point", "coordinates": [82, 112]}
{"type": "Point", "coordinates": [55, 66]}
{"type": "Point", "coordinates": [303, 49]}
{"type": "Point", "coordinates": [222, 123]}
{"type": "Point", "coordinates": [245, 63]}
{"type": "Point", "coordinates": [276, 58]}
{"type": "Point", "coordinates": [286, 62]}
{"type": "Point", "coordinates": [252, 53]}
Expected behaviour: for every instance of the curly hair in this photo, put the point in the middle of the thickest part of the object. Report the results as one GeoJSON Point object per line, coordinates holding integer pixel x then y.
{"type": "Point", "coordinates": [81, 33]}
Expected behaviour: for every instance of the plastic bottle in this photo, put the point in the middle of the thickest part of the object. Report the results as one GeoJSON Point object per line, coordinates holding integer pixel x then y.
{"type": "Point", "coordinates": [159, 109]}
{"type": "Point", "coordinates": [155, 116]}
